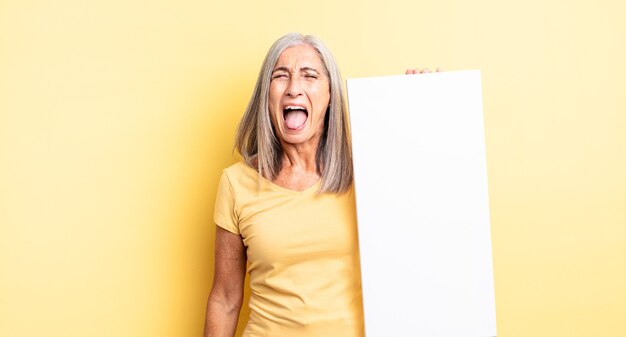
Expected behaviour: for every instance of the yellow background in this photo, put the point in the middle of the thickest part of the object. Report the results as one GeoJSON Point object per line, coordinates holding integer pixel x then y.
{"type": "Point", "coordinates": [116, 118]}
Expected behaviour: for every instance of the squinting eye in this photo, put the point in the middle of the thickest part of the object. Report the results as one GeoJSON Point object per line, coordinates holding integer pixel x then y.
{"type": "Point", "coordinates": [279, 76]}
{"type": "Point", "coordinates": [310, 76]}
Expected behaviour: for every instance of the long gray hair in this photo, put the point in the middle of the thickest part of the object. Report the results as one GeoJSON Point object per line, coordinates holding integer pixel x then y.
{"type": "Point", "coordinates": [256, 139]}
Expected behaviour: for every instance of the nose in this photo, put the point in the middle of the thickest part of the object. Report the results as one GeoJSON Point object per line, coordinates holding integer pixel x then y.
{"type": "Point", "coordinates": [294, 87]}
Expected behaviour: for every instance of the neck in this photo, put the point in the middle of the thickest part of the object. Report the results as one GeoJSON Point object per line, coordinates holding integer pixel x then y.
{"type": "Point", "coordinates": [300, 157]}
{"type": "Point", "coordinates": [299, 166]}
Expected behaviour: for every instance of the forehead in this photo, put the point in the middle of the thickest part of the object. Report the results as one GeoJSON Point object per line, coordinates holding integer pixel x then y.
{"type": "Point", "coordinates": [300, 56]}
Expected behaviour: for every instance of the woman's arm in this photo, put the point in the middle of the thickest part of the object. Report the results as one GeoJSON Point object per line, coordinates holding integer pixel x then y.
{"type": "Point", "coordinates": [226, 295]}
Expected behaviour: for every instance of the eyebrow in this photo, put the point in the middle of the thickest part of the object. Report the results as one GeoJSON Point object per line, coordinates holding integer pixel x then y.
{"type": "Point", "coordinates": [301, 69]}
{"type": "Point", "coordinates": [309, 69]}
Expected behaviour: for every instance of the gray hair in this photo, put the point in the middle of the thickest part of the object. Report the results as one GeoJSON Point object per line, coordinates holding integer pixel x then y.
{"type": "Point", "coordinates": [256, 139]}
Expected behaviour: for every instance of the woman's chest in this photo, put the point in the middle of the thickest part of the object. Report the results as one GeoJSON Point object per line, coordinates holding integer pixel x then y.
{"type": "Point", "coordinates": [296, 229]}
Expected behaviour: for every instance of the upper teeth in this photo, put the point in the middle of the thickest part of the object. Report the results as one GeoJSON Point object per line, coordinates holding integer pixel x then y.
{"type": "Point", "coordinates": [293, 107]}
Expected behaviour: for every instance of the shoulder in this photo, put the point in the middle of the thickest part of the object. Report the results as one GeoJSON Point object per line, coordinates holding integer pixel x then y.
{"type": "Point", "coordinates": [240, 176]}
{"type": "Point", "coordinates": [239, 169]}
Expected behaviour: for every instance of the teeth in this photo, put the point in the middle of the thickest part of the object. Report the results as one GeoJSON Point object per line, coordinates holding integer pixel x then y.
{"type": "Point", "coordinates": [293, 107]}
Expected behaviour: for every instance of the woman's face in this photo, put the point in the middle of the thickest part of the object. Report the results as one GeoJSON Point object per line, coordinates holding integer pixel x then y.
{"type": "Point", "coordinates": [299, 96]}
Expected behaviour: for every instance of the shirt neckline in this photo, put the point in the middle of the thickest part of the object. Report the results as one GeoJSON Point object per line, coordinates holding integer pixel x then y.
{"type": "Point", "coordinates": [279, 188]}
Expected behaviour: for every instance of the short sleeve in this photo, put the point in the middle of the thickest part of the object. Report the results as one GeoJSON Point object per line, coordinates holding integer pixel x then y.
{"type": "Point", "coordinates": [225, 214]}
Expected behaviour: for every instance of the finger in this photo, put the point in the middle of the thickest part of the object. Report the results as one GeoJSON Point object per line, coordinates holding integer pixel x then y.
{"type": "Point", "coordinates": [425, 71]}
{"type": "Point", "coordinates": [439, 70]}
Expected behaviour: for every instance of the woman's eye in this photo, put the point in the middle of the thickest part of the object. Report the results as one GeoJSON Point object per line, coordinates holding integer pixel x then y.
{"type": "Point", "coordinates": [279, 76]}
{"type": "Point", "coordinates": [310, 76]}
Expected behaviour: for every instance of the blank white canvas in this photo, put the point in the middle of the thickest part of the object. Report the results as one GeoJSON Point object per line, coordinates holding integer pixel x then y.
{"type": "Point", "coordinates": [422, 205]}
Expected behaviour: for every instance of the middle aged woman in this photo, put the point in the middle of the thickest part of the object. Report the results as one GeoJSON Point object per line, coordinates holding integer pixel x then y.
{"type": "Point", "coordinates": [287, 210]}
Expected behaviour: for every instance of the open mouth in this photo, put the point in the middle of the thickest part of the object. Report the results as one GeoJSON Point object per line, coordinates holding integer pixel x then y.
{"type": "Point", "coordinates": [295, 117]}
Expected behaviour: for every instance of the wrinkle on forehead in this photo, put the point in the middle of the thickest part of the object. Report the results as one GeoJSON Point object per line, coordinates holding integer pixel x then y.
{"type": "Point", "coordinates": [300, 58]}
